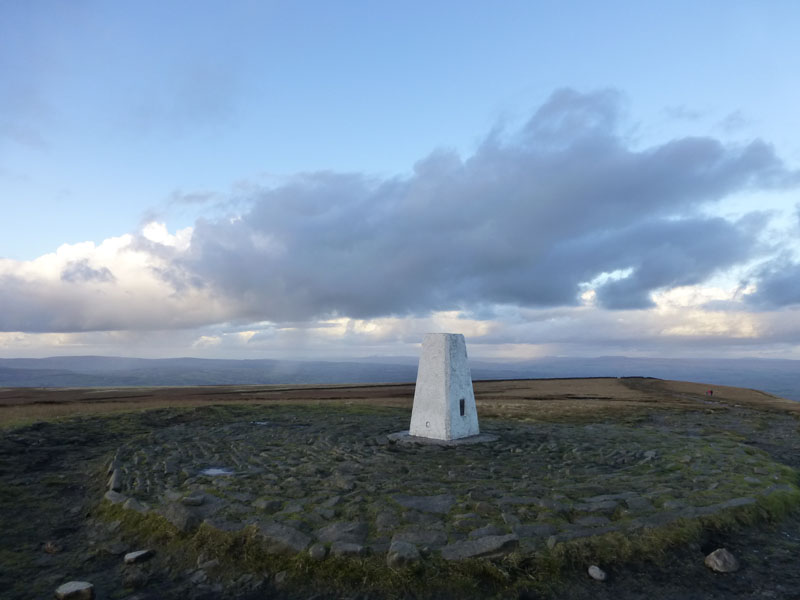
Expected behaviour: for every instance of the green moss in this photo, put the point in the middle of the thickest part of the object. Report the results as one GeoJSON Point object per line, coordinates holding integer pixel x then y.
{"type": "Point", "coordinates": [147, 526]}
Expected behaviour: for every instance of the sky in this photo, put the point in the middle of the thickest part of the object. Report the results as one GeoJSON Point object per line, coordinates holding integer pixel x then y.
{"type": "Point", "coordinates": [332, 180]}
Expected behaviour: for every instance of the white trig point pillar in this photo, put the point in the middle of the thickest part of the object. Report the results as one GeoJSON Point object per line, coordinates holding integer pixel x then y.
{"type": "Point", "coordinates": [444, 403]}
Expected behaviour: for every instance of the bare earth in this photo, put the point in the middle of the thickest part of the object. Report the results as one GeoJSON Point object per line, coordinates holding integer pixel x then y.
{"type": "Point", "coordinates": [52, 480]}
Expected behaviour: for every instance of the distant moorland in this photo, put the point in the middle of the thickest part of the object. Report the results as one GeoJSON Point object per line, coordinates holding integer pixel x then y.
{"type": "Point", "coordinates": [778, 377]}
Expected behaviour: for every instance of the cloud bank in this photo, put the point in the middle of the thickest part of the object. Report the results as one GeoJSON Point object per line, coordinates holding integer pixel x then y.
{"type": "Point", "coordinates": [565, 213]}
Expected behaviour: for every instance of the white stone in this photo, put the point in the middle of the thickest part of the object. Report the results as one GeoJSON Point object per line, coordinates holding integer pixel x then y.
{"type": "Point", "coordinates": [722, 561]}
{"type": "Point", "coordinates": [75, 590]}
{"type": "Point", "coordinates": [137, 556]}
{"type": "Point", "coordinates": [444, 403]}
{"type": "Point", "coordinates": [597, 573]}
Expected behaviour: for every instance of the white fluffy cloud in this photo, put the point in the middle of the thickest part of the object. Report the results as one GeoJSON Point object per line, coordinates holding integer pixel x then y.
{"type": "Point", "coordinates": [116, 285]}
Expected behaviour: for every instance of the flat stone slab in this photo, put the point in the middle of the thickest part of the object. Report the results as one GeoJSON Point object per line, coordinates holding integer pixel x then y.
{"type": "Point", "coordinates": [354, 532]}
{"type": "Point", "coordinates": [490, 545]}
{"type": "Point", "coordinates": [421, 536]}
{"type": "Point", "coordinates": [404, 437]}
{"type": "Point", "coordinates": [401, 554]}
{"type": "Point", "coordinates": [75, 590]}
{"type": "Point", "coordinates": [440, 504]}
{"type": "Point", "coordinates": [347, 549]}
{"type": "Point", "coordinates": [282, 539]}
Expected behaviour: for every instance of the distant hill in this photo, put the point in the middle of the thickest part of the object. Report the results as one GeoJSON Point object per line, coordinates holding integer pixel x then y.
{"type": "Point", "coordinates": [99, 371]}
{"type": "Point", "coordinates": [779, 377]}
{"type": "Point", "coordinates": [774, 376]}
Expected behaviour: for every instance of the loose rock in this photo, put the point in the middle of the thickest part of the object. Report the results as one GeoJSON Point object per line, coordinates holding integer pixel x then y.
{"type": "Point", "coordinates": [347, 549]}
{"type": "Point", "coordinates": [137, 556]}
{"type": "Point", "coordinates": [193, 500]}
{"type": "Point", "coordinates": [536, 530]}
{"type": "Point", "coordinates": [592, 521]}
{"type": "Point", "coordinates": [135, 577]}
{"type": "Point", "coordinates": [280, 539]}
{"type": "Point", "coordinates": [318, 552]}
{"type": "Point", "coordinates": [181, 517]}
{"type": "Point", "coordinates": [198, 577]}
{"type": "Point", "coordinates": [266, 505]}
{"type": "Point", "coordinates": [75, 590]}
{"type": "Point", "coordinates": [386, 521]}
{"type": "Point", "coordinates": [597, 573]}
{"type": "Point", "coordinates": [115, 497]}
{"type": "Point", "coordinates": [484, 531]}
{"type": "Point", "coordinates": [422, 536]}
{"type": "Point", "coordinates": [722, 561]}
{"type": "Point", "coordinates": [491, 545]}
{"type": "Point", "coordinates": [440, 504]}
{"type": "Point", "coordinates": [343, 531]}
{"type": "Point", "coordinates": [401, 554]}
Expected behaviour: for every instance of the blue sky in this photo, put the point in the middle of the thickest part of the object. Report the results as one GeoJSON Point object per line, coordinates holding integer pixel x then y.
{"type": "Point", "coordinates": [317, 179]}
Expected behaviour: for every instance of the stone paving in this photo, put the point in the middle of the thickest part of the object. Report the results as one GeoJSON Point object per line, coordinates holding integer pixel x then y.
{"type": "Point", "coordinates": [328, 480]}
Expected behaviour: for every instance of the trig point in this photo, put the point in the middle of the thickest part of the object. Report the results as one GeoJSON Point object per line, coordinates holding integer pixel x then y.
{"type": "Point", "coordinates": [444, 410]}
{"type": "Point", "coordinates": [444, 404]}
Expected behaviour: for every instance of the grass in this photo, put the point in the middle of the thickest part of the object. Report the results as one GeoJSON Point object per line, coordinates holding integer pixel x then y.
{"type": "Point", "coordinates": [572, 400]}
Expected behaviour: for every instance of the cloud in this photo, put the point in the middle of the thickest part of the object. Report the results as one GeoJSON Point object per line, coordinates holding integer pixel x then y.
{"type": "Point", "coordinates": [559, 212]}
{"type": "Point", "coordinates": [80, 271]}
{"type": "Point", "coordinates": [526, 220]}
{"type": "Point", "coordinates": [735, 121]}
{"type": "Point", "coordinates": [777, 284]}
{"type": "Point", "coordinates": [668, 255]}
{"type": "Point", "coordinates": [684, 113]}
{"type": "Point", "coordinates": [116, 285]}
{"type": "Point", "coordinates": [180, 198]}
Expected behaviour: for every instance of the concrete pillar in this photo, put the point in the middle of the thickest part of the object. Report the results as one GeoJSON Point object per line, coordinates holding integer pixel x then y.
{"type": "Point", "coordinates": [444, 403]}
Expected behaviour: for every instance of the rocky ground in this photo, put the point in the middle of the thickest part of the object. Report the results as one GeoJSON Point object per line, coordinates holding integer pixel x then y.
{"type": "Point", "coordinates": [313, 500]}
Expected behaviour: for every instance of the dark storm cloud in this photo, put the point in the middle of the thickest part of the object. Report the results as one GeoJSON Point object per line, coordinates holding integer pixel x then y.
{"type": "Point", "coordinates": [777, 284]}
{"type": "Point", "coordinates": [525, 220]}
{"type": "Point", "coordinates": [778, 280]}
{"type": "Point", "coordinates": [660, 254]}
